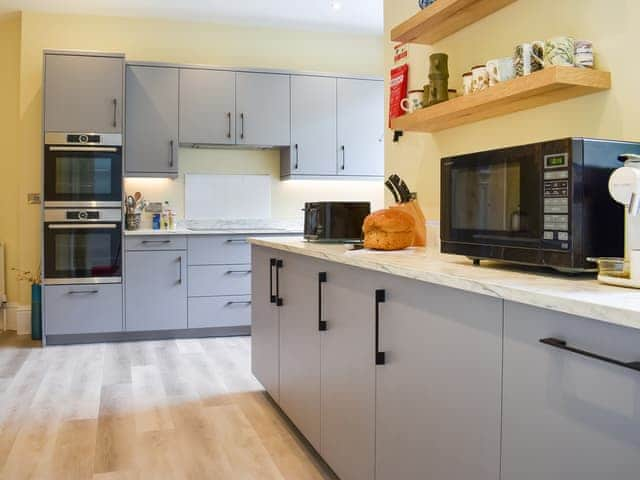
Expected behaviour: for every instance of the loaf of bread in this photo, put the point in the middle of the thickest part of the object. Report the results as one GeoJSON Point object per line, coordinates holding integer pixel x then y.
{"type": "Point", "coordinates": [390, 229]}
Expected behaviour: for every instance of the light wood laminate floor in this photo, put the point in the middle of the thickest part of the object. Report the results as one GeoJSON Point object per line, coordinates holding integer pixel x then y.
{"type": "Point", "coordinates": [177, 409]}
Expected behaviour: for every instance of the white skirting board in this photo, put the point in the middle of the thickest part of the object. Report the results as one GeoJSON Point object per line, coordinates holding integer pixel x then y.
{"type": "Point", "coordinates": [18, 318]}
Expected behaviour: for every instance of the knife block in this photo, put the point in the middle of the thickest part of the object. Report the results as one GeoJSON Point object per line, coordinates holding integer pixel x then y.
{"type": "Point", "coordinates": [413, 209]}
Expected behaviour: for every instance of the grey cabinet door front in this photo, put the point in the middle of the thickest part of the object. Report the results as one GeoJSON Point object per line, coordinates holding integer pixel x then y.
{"type": "Point", "coordinates": [83, 94]}
{"type": "Point", "coordinates": [348, 373]}
{"type": "Point", "coordinates": [151, 145]}
{"type": "Point", "coordinates": [567, 416]}
{"type": "Point", "coordinates": [156, 290]}
{"type": "Point", "coordinates": [263, 109]}
{"type": "Point", "coordinates": [438, 394]}
{"type": "Point", "coordinates": [300, 346]}
{"type": "Point", "coordinates": [360, 127]}
{"type": "Point", "coordinates": [207, 107]}
{"type": "Point", "coordinates": [313, 126]}
{"type": "Point", "coordinates": [265, 324]}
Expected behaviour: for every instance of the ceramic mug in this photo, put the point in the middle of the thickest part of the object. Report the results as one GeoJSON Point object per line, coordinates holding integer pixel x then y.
{"type": "Point", "coordinates": [480, 78]}
{"type": "Point", "coordinates": [560, 51]}
{"type": "Point", "coordinates": [413, 102]}
{"type": "Point", "coordinates": [467, 83]}
{"type": "Point", "coordinates": [500, 70]}
{"type": "Point", "coordinates": [584, 54]}
{"type": "Point", "coordinates": [529, 58]}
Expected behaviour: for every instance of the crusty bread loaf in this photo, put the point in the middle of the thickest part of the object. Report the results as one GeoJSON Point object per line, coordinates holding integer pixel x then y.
{"type": "Point", "coordinates": [391, 229]}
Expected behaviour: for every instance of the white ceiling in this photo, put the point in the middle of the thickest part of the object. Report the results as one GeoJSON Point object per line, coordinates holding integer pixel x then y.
{"type": "Point", "coordinates": [365, 16]}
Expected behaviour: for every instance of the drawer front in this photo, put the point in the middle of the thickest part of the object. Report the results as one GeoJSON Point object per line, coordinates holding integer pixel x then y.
{"type": "Point", "coordinates": [78, 309]}
{"type": "Point", "coordinates": [219, 250]}
{"type": "Point", "coordinates": [156, 242]}
{"type": "Point", "coordinates": [233, 311]}
{"type": "Point", "coordinates": [217, 280]}
{"type": "Point", "coordinates": [567, 415]}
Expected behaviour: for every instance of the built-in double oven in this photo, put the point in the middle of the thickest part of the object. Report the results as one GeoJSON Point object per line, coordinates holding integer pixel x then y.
{"type": "Point", "coordinates": [83, 208]}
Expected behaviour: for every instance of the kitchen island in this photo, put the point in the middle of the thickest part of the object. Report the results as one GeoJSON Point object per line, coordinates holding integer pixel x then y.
{"type": "Point", "coordinates": [414, 364]}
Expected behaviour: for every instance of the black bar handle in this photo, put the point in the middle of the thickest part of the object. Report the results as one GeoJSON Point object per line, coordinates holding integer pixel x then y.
{"type": "Point", "coordinates": [279, 265]}
{"type": "Point", "coordinates": [381, 297]}
{"type": "Point", "coordinates": [229, 119]}
{"type": "Point", "coordinates": [322, 324]}
{"type": "Point", "coordinates": [297, 157]}
{"type": "Point", "coordinates": [562, 345]}
{"type": "Point", "coordinates": [115, 113]}
{"type": "Point", "coordinates": [272, 297]}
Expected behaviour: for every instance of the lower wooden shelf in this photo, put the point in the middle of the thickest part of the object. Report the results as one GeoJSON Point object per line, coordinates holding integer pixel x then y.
{"type": "Point", "coordinates": [551, 85]}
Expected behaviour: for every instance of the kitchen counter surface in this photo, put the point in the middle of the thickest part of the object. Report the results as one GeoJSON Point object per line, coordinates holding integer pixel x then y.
{"type": "Point", "coordinates": [578, 295]}
{"type": "Point", "coordinates": [226, 227]}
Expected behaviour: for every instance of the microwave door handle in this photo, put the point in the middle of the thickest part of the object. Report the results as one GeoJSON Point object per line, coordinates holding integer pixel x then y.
{"type": "Point", "coordinates": [82, 226]}
{"type": "Point", "coordinates": [83, 149]}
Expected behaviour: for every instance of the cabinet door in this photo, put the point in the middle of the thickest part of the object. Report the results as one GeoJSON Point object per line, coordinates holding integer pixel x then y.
{"type": "Point", "coordinates": [83, 93]}
{"type": "Point", "coordinates": [151, 145]}
{"type": "Point", "coordinates": [300, 346]}
{"type": "Point", "coordinates": [567, 416]}
{"type": "Point", "coordinates": [313, 127]}
{"type": "Point", "coordinates": [263, 109]}
{"type": "Point", "coordinates": [265, 323]}
{"type": "Point", "coordinates": [156, 290]}
{"type": "Point", "coordinates": [438, 393]}
{"type": "Point", "coordinates": [360, 127]}
{"type": "Point", "coordinates": [348, 373]}
{"type": "Point", "coordinates": [207, 107]}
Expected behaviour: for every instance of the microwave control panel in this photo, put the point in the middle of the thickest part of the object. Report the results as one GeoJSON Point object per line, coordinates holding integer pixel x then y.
{"type": "Point", "coordinates": [557, 190]}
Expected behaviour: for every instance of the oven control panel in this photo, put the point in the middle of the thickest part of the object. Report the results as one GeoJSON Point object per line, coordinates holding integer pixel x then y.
{"type": "Point", "coordinates": [557, 190]}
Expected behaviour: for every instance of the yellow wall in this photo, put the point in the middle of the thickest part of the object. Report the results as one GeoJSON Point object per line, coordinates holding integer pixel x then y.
{"type": "Point", "coordinates": [9, 143]}
{"type": "Point", "coordinates": [180, 42]}
{"type": "Point", "coordinates": [612, 26]}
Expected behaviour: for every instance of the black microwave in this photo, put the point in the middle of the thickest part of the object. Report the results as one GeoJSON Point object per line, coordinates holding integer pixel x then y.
{"type": "Point", "coordinates": [544, 204]}
{"type": "Point", "coordinates": [335, 221]}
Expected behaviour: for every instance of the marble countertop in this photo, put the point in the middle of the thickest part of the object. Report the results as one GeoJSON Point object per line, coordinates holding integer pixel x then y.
{"type": "Point", "coordinates": [578, 295]}
{"type": "Point", "coordinates": [226, 227]}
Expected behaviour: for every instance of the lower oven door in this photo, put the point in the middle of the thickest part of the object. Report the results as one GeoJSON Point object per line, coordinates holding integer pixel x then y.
{"type": "Point", "coordinates": [79, 253]}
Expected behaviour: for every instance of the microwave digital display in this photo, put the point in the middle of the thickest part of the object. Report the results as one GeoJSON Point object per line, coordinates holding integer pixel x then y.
{"type": "Point", "coordinates": [555, 161]}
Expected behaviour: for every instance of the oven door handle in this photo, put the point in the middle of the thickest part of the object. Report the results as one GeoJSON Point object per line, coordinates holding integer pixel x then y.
{"type": "Point", "coordinates": [83, 226]}
{"type": "Point", "coordinates": [83, 149]}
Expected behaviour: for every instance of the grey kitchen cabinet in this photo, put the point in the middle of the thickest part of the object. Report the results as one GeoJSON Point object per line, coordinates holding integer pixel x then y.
{"type": "Point", "coordinates": [263, 109]}
{"type": "Point", "coordinates": [82, 309]}
{"type": "Point", "coordinates": [438, 393]}
{"type": "Point", "coordinates": [300, 345]}
{"type": "Point", "coordinates": [207, 107]}
{"type": "Point", "coordinates": [229, 311]}
{"type": "Point", "coordinates": [219, 280]}
{"type": "Point", "coordinates": [565, 415]}
{"type": "Point", "coordinates": [265, 320]}
{"type": "Point", "coordinates": [360, 127]}
{"type": "Point", "coordinates": [152, 119]}
{"type": "Point", "coordinates": [83, 93]}
{"type": "Point", "coordinates": [219, 250]}
{"type": "Point", "coordinates": [348, 373]}
{"type": "Point", "coordinates": [156, 290]}
{"type": "Point", "coordinates": [313, 127]}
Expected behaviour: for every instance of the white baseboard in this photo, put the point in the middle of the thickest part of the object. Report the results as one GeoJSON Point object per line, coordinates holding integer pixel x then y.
{"type": "Point", "coordinates": [18, 318]}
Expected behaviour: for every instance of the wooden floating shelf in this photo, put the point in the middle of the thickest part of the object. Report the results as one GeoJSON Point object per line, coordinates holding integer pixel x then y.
{"type": "Point", "coordinates": [551, 85]}
{"type": "Point", "coordinates": [443, 18]}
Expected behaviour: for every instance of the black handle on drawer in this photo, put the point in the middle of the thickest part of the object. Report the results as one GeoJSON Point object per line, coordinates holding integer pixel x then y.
{"type": "Point", "coordinates": [82, 292]}
{"type": "Point", "coordinates": [237, 240]}
{"type": "Point", "coordinates": [144, 242]}
{"type": "Point", "coordinates": [245, 303]}
{"type": "Point", "coordinates": [381, 297]}
{"type": "Point", "coordinates": [562, 345]}
{"type": "Point", "coordinates": [279, 265]}
{"type": "Point", "coordinates": [322, 324]}
{"type": "Point", "coordinates": [237, 272]}
{"type": "Point", "coordinates": [272, 297]}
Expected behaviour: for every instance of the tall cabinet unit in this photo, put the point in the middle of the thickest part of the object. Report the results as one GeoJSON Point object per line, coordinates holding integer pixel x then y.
{"type": "Point", "coordinates": [152, 118]}
{"type": "Point", "coordinates": [83, 92]}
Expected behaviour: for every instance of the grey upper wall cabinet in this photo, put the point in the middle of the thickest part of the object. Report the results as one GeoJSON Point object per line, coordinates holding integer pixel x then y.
{"type": "Point", "coordinates": [83, 93]}
{"type": "Point", "coordinates": [313, 127]}
{"type": "Point", "coordinates": [565, 415]}
{"type": "Point", "coordinates": [152, 114]}
{"type": "Point", "coordinates": [360, 127]}
{"type": "Point", "coordinates": [207, 107]}
{"type": "Point", "coordinates": [438, 393]}
{"type": "Point", "coordinates": [262, 109]}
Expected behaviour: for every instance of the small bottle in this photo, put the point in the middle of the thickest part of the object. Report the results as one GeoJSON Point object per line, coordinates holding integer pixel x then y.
{"type": "Point", "coordinates": [172, 220]}
{"type": "Point", "coordinates": [165, 216]}
{"type": "Point", "coordinates": [155, 221]}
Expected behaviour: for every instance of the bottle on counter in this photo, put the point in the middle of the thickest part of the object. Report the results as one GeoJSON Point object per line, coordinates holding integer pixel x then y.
{"type": "Point", "coordinates": [172, 220]}
{"type": "Point", "coordinates": [165, 216]}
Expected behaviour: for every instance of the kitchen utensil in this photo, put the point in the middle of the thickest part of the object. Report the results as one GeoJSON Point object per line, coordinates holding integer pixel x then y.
{"type": "Point", "coordinates": [560, 51]}
{"type": "Point", "coordinates": [392, 189]}
{"type": "Point", "coordinates": [405, 193]}
{"type": "Point", "coordinates": [395, 180]}
{"type": "Point", "coordinates": [529, 58]}
{"type": "Point", "coordinates": [131, 204]}
{"type": "Point", "coordinates": [137, 197]}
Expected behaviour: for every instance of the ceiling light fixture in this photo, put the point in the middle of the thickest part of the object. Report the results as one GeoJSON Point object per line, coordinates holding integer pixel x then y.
{"type": "Point", "coordinates": [336, 5]}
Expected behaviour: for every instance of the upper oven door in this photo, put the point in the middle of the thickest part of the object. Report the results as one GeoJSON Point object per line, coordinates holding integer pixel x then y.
{"type": "Point", "coordinates": [494, 198]}
{"type": "Point", "coordinates": [83, 175]}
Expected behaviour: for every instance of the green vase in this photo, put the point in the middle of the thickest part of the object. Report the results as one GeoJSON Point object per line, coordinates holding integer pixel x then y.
{"type": "Point", "coordinates": [36, 312]}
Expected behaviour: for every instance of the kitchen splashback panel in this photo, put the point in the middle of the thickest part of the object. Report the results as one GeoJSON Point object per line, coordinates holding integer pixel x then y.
{"type": "Point", "coordinates": [227, 196]}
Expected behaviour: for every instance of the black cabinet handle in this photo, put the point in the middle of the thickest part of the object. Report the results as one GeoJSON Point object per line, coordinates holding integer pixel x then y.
{"type": "Point", "coordinates": [297, 157]}
{"type": "Point", "coordinates": [279, 265]}
{"type": "Point", "coordinates": [344, 158]}
{"type": "Point", "coordinates": [229, 118]}
{"type": "Point", "coordinates": [242, 126]}
{"type": "Point", "coordinates": [272, 297]}
{"type": "Point", "coordinates": [562, 345]}
{"type": "Point", "coordinates": [180, 270]}
{"type": "Point", "coordinates": [322, 278]}
{"type": "Point", "coordinates": [115, 112]}
{"type": "Point", "coordinates": [237, 272]}
{"type": "Point", "coordinates": [237, 240]}
{"type": "Point", "coordinates": [381, 297]}
{"type": "Point", "coordinates": [82, 292]}
{"type": "Point", "coordinates": [231, 304]}
{"type": "Point", "coordinates": [171, 154]}
{"type": "Point", "coordinates": [144, 242]}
